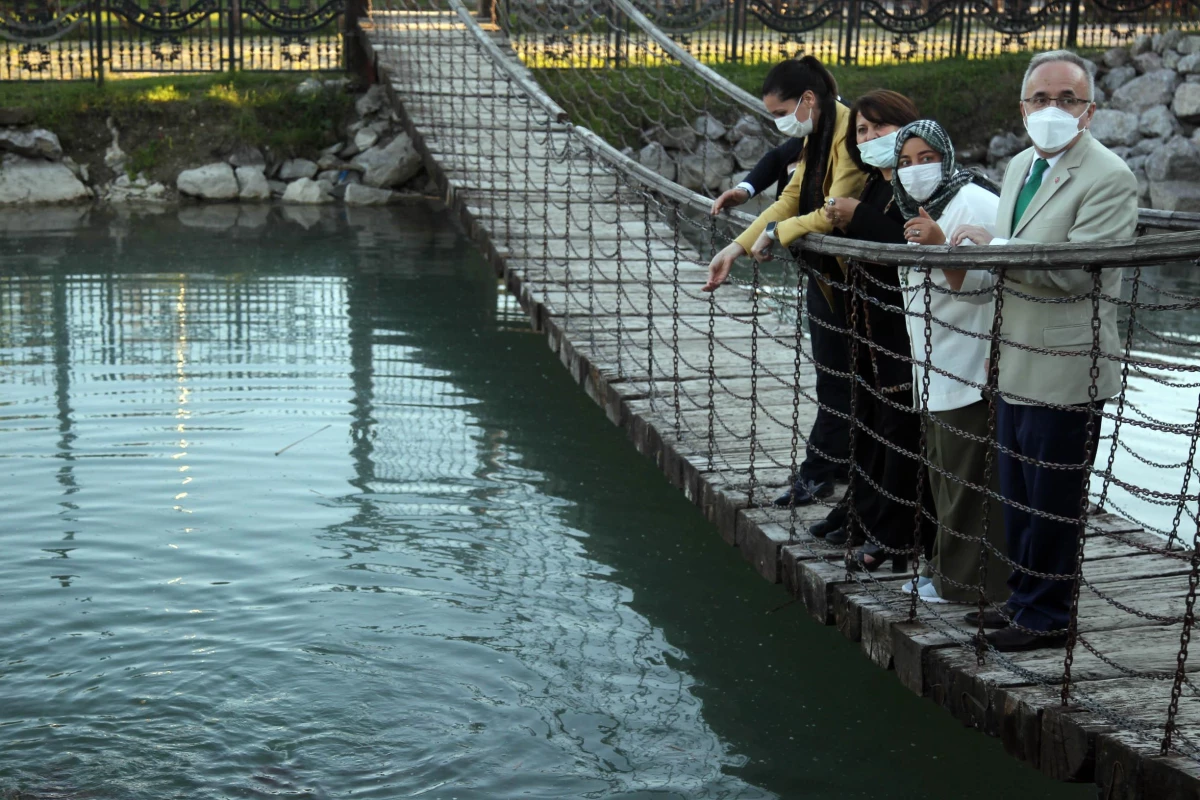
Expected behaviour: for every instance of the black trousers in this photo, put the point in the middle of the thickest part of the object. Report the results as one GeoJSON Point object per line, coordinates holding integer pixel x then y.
{"type": "Point", "coordinates": [1058, 440]}
{"type": "Point", "coordinates": [828, 453]}
{"type": "Point", "coordinates": [887, 443]}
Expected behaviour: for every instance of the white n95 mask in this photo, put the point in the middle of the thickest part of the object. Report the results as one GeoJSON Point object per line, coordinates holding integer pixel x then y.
{"type": "Point", "coordinates": [880, 152]}
{"type": "Point", "coordinates": [921, 180]}
{"type": "Point", "coordinates": [1051, 129]}
{"type": "Point", "coordinates": [790, 126]}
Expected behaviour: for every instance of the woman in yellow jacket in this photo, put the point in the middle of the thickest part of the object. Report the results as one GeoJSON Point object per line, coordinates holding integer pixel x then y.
{"type": "Point", "coordinates": [802, 96]}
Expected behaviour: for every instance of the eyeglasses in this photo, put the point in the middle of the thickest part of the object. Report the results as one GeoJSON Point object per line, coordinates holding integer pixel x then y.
{"type": "Point", "coordinates": [1068, 104]}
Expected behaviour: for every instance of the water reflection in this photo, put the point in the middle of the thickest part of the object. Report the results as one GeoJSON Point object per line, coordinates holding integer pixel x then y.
{"type": "Point", "coordinates": [460, 581]}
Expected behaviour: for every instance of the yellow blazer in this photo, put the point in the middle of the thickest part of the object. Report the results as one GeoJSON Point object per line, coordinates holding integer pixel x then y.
{"type": "Point", "coordinates": [843, 178]}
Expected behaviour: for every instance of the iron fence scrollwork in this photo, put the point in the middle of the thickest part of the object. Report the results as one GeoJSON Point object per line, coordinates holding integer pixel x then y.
{"type": "Point", "coordinates": [85, 40]}
{"type": "Point", "coordinates": [858, 31]}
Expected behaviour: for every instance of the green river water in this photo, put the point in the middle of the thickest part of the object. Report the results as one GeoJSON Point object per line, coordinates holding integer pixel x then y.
{"type": "Point", "coordinates": [464, 583]}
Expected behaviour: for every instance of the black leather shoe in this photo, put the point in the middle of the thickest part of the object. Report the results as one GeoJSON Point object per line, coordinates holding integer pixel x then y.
{"type": "Point", "coordinates": [804, 492]}
{"type": "Point", "coordinates": [824, 527]}
{"type": "Point", "coordinates": [1011, 640]}
{"type": "Point", "coordinates": [992, 619]}
{"type": "Point", "coordinates": [841, 535]}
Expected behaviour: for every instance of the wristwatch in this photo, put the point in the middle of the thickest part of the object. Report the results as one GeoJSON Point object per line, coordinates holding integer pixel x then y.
{"type": "Point", "coordinates": [770, 231]}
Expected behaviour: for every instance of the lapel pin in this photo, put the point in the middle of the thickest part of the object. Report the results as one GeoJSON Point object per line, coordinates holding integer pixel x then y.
{"type": "Point", "coordinates": [1056, 180]}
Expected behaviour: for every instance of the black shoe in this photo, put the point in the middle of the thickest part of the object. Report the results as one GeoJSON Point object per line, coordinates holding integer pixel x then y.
{"type": "Point", "coordinates": [992, 619]}
{"type": "Point", "coordinates": [841, 535]}
{"type": "Point", "coordinates": [878, 556]}
{"type": "Point", "coordinates": [1011, 640]}
{"type": "Point", "coordinates": [804, 492]}
{"type": "Point", "coordinates": [834, 522]}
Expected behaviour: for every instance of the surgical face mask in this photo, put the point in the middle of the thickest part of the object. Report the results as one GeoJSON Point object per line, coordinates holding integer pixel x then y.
{"type": "Point", "coordinates": [790, 126]}
{"type": "Point", "coordinates": [880, 152]}
{"type": "Point", "coordinates": [1051, 129]}
{"type": "Point", "coordinates": [921, 180]}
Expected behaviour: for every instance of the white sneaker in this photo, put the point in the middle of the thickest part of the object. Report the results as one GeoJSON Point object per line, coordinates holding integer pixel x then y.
{"type": "Point", "coordinates": [929, 594]}
{"type": "Point", "coordinates": [925, 590]}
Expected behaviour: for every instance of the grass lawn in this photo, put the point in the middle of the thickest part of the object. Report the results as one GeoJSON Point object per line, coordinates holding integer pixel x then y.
{"type": "Point", "coordinates": [179, 121]}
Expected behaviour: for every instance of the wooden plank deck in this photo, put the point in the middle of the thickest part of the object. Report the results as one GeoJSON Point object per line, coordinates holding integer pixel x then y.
{"type": "Point", "coordinates": [596, 271]}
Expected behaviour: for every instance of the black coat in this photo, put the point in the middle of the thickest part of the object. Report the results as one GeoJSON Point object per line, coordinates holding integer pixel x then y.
{"type": "Point", "coordinates": [876, 304]}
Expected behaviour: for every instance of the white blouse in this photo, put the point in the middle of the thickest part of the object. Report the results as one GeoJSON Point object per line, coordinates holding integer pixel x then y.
{"type": "Point", "coordinates": [962, 356]}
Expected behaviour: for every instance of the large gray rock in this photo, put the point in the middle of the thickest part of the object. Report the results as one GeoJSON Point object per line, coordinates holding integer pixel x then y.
{"type": "Point", "coordinates": [1147, 146]}
{"type": "Point", "coordinates": [1177, 160]}
{"type": "Point", "coordinates": [1148, 62]}
{"type": "Point", "coordinates": [654, 156]}
{"type": "Point", "coordinates": [365, 139]}
{"type": "Point", "coordinates": [706, 168]}
{"type": "Point", "coordinates": [1142, 43]}
{"type": "Point", "coordinates": [747, 125]}
{"type": "Point", "coordinates": [1004, 145]}
{"type": "Point", "coordinates": [390, 166]}
{"type": "Point", "coordinates": [27, 181]}
{"type": "Point", "coordinates": [210, 182]}
{"type": "Point", "coordinates": [372, 102]}
{"type": "Point", "coordinates": [1171, 60]}
{"type": "Point", "coordinates": [1116, 57]}
{"type": "Point", "coordinates": [1111, 127]}
{"type": "Point", "coordinates": [1187, 44]}
{"type": "Point", "coordinates": [358, 195]}
{"type": "Point", "coordinates": [1158, 121]}
{"type": "Point", "coordinates": [37, 143]}
{"type": "Point", "coordinates": [680, 137]}
{"type": "Point", "coordinates": [295, 168]}
{"type": "Point", "coordinates": [1189, 64]}
{"type": "Point", "coordinates": [1116, 78]}
{"type": "Point", "coordinates": [1149, 90]}
{"type": "Point", "coordinates": [1186, 104]}
{"type": "Point", "coordinates": [749, 150]}
{"type": "Point", "coordinates": [1175, 195]}
{"type": "Point", "coordinates": [708, 126]}
{"type": "Point", "coordinates": [252, 184]}
{"type": "Point", "coordinates": [305, 191]}
{"type": "Point", "coordinates": [1168, 41]}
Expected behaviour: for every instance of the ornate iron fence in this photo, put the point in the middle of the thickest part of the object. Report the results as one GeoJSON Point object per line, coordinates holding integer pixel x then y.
{"type": "Point", "coordinates": [843, 31]}
{"type": "Point", "coordinates": [87, 39]}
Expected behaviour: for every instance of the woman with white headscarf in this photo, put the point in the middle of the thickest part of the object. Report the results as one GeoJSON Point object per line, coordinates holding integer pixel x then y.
{"type": "Point", "coordinates": [934, 194]}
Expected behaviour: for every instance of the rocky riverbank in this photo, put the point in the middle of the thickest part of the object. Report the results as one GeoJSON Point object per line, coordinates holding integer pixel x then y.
{"type": "Point", "coordinates": [373, 163]}
{"type": "Point", "coordinates": [1148, 97]}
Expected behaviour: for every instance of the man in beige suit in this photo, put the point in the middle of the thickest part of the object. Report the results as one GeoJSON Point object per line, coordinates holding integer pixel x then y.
{"type": "Point", "coordinates": [1066, 188]}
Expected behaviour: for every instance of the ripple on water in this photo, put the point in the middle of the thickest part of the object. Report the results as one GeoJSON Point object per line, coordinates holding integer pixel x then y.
{"type": "Point", "coordinates": [392, 607]}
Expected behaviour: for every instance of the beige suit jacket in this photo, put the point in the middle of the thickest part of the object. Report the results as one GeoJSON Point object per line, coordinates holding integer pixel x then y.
{"type": "Point", "coordinates": [1089, 195]}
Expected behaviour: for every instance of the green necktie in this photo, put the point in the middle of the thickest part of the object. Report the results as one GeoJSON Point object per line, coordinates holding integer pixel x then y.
{"type": "Point", "coordinates": [1030, 189]}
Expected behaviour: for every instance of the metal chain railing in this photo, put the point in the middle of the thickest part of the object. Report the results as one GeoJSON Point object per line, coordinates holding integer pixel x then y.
{"type": "Point", "coordinates": [741, 373]}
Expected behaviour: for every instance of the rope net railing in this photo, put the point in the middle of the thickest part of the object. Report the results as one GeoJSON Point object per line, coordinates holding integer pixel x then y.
{"type": "Point", "coordinates": [612, 257]}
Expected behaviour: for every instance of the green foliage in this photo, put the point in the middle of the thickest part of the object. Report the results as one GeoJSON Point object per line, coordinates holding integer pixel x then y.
{"type": "Point", "coordinates": [255, 108]}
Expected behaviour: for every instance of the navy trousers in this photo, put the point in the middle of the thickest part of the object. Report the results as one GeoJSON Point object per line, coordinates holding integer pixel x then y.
{"type": "Point", "coordinates": [828, 454]}
{"type": "Point", "coordinates": [1050, 436]}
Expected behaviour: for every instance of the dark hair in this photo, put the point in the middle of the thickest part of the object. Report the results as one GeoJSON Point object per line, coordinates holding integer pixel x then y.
{"type": "Point", "coordinates": [882, 107]}
{"type": "Point", "coordinates": [789, 80]}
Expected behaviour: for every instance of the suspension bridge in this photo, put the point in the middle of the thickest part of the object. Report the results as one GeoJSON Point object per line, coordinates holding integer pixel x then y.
{"type": "Point", "coordinates": [607, 258]}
